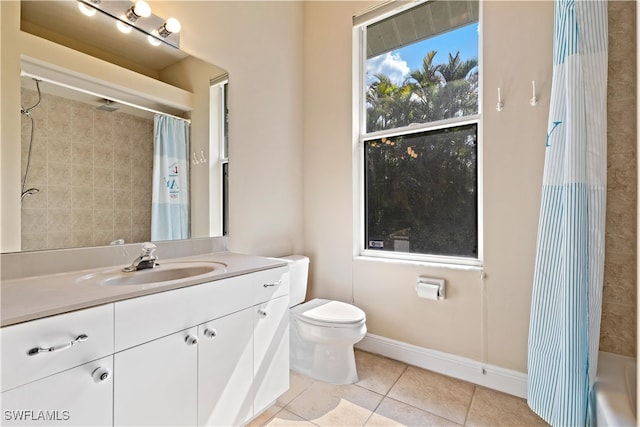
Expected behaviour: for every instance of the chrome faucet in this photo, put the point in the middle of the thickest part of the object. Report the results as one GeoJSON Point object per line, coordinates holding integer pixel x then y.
{"type": "Point", "coordinates": [147, 259]}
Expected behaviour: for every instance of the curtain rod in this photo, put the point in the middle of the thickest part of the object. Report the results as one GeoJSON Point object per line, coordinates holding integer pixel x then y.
{"type": "Point", "coordinates": [115, 99]}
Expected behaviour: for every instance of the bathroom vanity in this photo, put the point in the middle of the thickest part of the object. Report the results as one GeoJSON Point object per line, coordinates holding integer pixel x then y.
{"type": "Point", "coordinates": [208, 349]}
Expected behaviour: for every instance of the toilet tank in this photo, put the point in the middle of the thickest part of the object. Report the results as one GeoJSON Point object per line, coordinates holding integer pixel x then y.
{"type": "Point", "coordinates": [298, 275]}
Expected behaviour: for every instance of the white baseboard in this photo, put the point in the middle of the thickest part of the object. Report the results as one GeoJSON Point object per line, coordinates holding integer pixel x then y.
{"type": "Point", "coordinates": [489, 376]}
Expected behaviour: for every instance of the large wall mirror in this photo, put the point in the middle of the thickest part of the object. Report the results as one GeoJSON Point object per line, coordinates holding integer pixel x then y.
{"type": "Point", "coordinates": [87, 147]}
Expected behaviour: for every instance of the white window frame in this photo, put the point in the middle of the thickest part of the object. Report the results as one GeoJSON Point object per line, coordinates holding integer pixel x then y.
{"type": "Point", "coordinates": [217, 155]}
{"type": "Point", "coordinates": [360, 137]}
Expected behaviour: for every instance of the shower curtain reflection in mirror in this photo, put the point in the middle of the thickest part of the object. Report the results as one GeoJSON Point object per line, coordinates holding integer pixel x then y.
{"type": "Point", "coordinates": [170, 197]}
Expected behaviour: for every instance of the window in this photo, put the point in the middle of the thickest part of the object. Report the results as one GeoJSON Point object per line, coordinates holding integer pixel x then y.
{"type": "Point", "coordinates": [419, 133]}
{"type": "Point", "coordinates": [219, 157]}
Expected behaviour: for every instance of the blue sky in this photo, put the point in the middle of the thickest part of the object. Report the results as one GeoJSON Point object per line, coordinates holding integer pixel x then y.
{"type": "Point", "coordinates": [399, 63]}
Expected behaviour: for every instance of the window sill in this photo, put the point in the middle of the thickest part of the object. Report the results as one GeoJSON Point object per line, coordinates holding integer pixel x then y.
{"type": "Point", "coordinates": [471, 265]}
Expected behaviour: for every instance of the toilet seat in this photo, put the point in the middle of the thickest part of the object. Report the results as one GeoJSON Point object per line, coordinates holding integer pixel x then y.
{"type": "Point", "coordinates": [328, 313]}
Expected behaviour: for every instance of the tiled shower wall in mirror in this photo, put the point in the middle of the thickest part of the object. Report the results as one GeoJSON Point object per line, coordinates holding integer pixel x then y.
{"type": "Point", "coordinates": [93, 171]}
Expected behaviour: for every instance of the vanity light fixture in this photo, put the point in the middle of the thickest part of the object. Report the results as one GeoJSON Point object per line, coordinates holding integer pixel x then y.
{"type": "Point", "coordinates": [140, 9]}
{"type": "Point", "coordinates": [127, 14]}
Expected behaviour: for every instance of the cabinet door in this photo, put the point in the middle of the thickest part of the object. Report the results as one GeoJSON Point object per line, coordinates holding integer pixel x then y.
{"type": "Point", "coordinates": [225, 370]}
{"type": "Point", "coordinates": [156, 382]}
{"type": "Point", "coordinates": [70, 398]}
{"type": "Point", "coordinates": [271, 352]}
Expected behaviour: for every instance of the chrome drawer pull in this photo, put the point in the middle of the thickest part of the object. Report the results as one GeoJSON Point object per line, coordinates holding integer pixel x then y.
{"type": "Point", "coordinates": [37, 350]}
{"type": "Point", "coordinates": [269, 285]}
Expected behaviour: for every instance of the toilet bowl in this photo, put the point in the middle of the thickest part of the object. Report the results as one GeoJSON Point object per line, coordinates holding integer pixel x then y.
{"type": "Point", "coordinates": [322, 332]}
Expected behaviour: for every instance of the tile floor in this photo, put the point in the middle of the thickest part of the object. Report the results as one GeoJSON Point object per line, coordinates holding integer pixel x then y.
{"type": "Point", "coordinates": [391, 393]}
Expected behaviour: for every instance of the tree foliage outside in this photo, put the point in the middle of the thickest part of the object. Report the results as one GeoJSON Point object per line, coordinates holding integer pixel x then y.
{"type": "Point", "coordinates": [421, 187]}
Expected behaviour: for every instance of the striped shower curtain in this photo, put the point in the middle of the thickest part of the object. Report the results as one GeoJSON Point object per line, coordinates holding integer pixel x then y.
{"type": "Point", "coordinates": [567, 290]}
{"type": "Point", "coordinates": [170, 197]}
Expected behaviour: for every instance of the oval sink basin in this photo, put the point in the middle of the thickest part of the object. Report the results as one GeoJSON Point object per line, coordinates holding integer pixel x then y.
{"type": "Point", "coordinates": [161, 274]}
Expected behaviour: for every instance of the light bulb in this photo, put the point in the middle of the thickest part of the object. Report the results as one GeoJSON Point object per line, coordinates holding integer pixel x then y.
{"type": "Point", "coordinates": [86, 10]}
{"type": "Point", "coordinates": [152, 40]}
{"type": "Point", "coordinates": [142, 9]}
{"type": "Point", "coordinates": [173, 25]}
{"type": "Point", "coordinates": [139, 10]}
{"type": "Point", "coordinates": [124, 28]}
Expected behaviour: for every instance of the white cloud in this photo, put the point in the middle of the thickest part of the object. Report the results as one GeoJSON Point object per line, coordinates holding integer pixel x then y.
{"type": "Point", "coordinates": [391, 65]}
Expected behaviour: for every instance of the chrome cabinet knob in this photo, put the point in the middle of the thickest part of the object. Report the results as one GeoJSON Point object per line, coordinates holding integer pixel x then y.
{"type": "Point", "coordinates": [191, 340]}
{"type": "Point", "coordinates": [101, 375]}
{"type": "Point", "coordinates": [210, 333]}
{"type": "Point", "coordinates": [262, 313]}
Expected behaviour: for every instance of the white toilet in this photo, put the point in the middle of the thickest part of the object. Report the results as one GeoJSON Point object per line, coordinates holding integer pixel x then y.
{"type": "Point", "coordinates": [323, 332]}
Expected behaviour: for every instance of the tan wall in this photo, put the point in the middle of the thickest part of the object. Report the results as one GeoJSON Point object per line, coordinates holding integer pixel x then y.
{"type": "Point", "coordinates": [618, 331]}
{"type": "Point", "coordinates": [486, 321]}
{"type": "Point", "coordinates": [10, 128]}
{"type": "Point", "coordinates": [93, 169]}
{"type": "Point", "coordinates": [260, 45]}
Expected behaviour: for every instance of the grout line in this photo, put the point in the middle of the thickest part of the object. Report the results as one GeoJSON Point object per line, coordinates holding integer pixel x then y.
{"type": "Point", "coordinates": [473, 396]}
{"type": "Point", "coordinates": [286, 405]}
{"type": "Point", "coordinates": [406, 367]}
{"type": "Point", "coordinates": [385, 395]}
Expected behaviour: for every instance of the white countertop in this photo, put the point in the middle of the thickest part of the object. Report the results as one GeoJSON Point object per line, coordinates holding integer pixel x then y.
{"type": "Point", "coordinates": [34, 297]}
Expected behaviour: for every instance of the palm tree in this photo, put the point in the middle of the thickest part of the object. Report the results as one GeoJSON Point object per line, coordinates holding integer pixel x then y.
{"type": "Point", "coordinates": [424, 84]}
{"type": "Point", "coordinates": [388, 105]}
{"type": "Point", "coordinates": [456, 69]}
{"type": "Point", "coordinates": [458, 95]}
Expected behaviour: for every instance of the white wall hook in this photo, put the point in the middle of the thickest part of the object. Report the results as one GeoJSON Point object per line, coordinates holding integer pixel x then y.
{"type": "Point", "coordinates": [534, 99]}
{"type": "Point", "coordinates": [198, 159]}
{"type": "Point", "coordinates": [499, 105]}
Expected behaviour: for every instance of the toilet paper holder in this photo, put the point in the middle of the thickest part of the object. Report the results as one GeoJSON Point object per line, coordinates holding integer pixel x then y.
{"type": "Point", "coordinates": [431, 288]}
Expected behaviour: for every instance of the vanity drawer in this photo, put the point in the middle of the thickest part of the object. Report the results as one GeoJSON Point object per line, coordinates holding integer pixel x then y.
{"type": "Point", "coordinates": [90, 330]}
{"type": "Point", "coordinates": [141, 320]}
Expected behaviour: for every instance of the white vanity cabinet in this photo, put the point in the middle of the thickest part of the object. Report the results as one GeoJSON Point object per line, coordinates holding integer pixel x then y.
{"type": "Point", "coordinates": [271, 352]}
{"type": "Point", "coordinates": [243, 363]}
{"type": "Point", "coordinates": [80, 396]}
{"type": "Point", "coordinates": [58, 370]}
{"type": "Point", "coordinates": [156, 383]}
{"type": "Point", "coordinates": [225, 370]}
{"type": "Point", "coordinates": [208, 354]}
{"type": "Point", "coordinates": [235, 367]}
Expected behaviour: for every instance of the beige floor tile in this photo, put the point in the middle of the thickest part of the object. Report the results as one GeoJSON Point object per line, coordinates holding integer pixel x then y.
{"type": "Point", "coordinates": [444, 396]}
{"type": "Point", "coordinates": [377, 373]}
{"type": "Point", "coordinates": [286, 418]}
{"type": "Point", "coordinates": [297, 384]}
{"type": "Point", "coordinates": [394, 413]}
{"type": "Point", "coordinates": [262, 419]}
{"type": "Point", "coordinates": [493, 408]}
{"type": "Point", "coordinates": [335, 405]}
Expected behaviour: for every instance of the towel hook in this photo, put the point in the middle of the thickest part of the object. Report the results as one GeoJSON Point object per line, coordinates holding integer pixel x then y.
{"type": "Point", "coordinates": [499, 105]}
{"type": "Point", "coordinates": [534, 99]}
